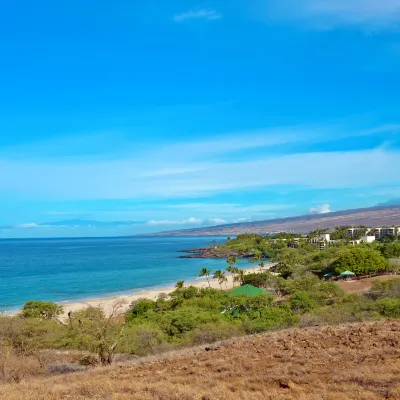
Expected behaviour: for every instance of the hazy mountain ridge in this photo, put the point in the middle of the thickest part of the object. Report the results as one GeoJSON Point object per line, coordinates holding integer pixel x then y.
{"type": "Point", "coordinates": [373, 216]}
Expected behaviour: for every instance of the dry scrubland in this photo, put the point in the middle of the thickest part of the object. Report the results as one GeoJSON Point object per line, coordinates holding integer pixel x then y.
{"type": "Point", "coordinates": [353, 362]}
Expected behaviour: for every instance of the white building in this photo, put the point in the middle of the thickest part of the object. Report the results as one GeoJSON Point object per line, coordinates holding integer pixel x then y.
{"type": "Point", "coordinates": [352, 231]}
{"type": "Point", "coordinates": [368, 239]}
{"type": "Point", "coordinates": [382, 232]}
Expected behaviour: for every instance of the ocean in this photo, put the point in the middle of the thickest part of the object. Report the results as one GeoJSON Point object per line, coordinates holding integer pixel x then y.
{"type": "Point", "coordinates": [71, 270]}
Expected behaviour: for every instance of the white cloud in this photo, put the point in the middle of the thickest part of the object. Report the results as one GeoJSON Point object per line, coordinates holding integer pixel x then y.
{"type": "Point", "coordinates": [190, 221]}
{"type": "Point", "coordinates": [331, 13]}
{"type": "Point", "coordinates": [321, 209]}
{"type": "Point", "coordinates": [189, 170]}
{"type": "Point", "coordinates": [29, 225]}
{"type": "Point", "coordinates": [204, 13]}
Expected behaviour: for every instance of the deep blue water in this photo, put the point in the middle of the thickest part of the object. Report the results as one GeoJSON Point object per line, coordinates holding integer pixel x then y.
{"type": "Point", "coordinates": [76, 269]}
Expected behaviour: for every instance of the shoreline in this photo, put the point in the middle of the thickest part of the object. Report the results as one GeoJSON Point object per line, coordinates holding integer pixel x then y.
{"type": "Point", "coordinates": [108, 302]}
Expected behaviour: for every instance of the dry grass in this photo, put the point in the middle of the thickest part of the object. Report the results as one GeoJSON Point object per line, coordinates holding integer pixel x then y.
{"type": "Point", "coordinates": [355, 362]}
{"type": "Point", "coordinates": [363, 285]}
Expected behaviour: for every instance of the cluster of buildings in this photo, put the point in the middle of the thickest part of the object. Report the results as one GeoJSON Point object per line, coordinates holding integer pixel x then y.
{"type": "Point", "coordinates": [378, 233]}
{"type": "Point", "coordinates": [369, 236]}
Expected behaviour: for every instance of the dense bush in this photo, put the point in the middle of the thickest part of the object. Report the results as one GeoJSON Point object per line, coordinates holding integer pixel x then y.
{"type": "Point", "coordinates": [302, 301]}
{"type": "Point", "coordinates": [360, 260]}
{"type": "Point", "coordinates": [41, 309]}
{"type": "Point", "coordinates": [390, 288]}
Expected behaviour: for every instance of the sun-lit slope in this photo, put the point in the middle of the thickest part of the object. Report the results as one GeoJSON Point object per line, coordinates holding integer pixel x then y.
{"type": "Point", "coordinates": [359, 362]}
{"type": "Point", "coordinates": [375, 216]}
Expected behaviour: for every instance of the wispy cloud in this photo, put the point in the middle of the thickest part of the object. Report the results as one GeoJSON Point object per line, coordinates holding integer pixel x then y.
{"type": "Point", "coordinates": [332, 13]}
{"type": "Point", "coordinates": [190, 221]}
{"type": "Point", "coordinates": [203, 13]}
{"type": "Point", "coordinates": [202, 168]}
{"type": "Point", "coordinates": [321, 209]}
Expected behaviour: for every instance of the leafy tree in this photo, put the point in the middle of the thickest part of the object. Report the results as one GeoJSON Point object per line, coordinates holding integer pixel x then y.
{"type": "Point", "coordinates": [41, 309]}
{"type": "Point", "coordinates": [98, 332]}
{"type": "Point", "coordinates": [360, 260]}
{"type": "Point", "coordinates": [139, 308]}
{"type": "Point", "coordinates": [390, 249]}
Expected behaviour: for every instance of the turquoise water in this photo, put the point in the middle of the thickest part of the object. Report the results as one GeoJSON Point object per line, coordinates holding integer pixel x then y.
{"type": "Point", "coordinates": [67, 270]}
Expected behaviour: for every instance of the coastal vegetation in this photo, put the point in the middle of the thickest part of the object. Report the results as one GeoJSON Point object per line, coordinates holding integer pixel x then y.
{"type": "Point", "coordinates": [42, 340]}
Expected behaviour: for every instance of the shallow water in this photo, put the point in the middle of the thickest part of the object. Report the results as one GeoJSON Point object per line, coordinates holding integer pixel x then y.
{"type": "Point", "coordinates": [65, 270]}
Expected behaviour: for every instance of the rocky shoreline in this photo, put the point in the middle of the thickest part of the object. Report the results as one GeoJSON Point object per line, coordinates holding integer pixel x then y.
{"type": "Point", "coordinates": [212, 252]}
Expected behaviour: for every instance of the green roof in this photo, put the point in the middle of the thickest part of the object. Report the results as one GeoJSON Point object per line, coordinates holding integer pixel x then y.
{"type": "Point", "coordinates": [247, 290]}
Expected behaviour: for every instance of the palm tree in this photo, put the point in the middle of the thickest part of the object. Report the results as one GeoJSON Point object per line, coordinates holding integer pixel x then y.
{"type": "Point", "coordinates": [262, 265]}
{"type": "Point", "coordinates": [232, 267]}
{"type": "Point", "coordinates": [179, 285]}
{"type": "Point", "coordinates": [252, 261]}
{"type": "Point", "coordinates": [229, 269]}
{"type": "Point", "coordinates": [218, 274]}
{"type": "Point", "coordinates": [224, 279]}
{"type": "Point", "coordinates": [241, 276]}
{"type": "Point", "coordinates": [231, 260]}
{"type": "Point", "coordinates": [206, 272]}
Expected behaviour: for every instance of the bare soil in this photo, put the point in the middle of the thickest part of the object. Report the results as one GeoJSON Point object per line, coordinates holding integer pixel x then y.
{"type": "Point", "coordinates": [365, 284]}
{"type": "Point", "coordinates": [353, 362]}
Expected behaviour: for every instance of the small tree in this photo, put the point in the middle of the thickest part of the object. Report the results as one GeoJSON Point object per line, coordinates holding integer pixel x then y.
{"type": "Point", "coordinates": [101, 332]}
{"type": "Point", "coordinates": [41, 309]}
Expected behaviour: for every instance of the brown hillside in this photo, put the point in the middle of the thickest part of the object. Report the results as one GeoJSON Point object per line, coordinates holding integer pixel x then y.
{"type": "Point", "coordinates": [375, 216]}
{"type": "Point", "coordinates": [355, 362]}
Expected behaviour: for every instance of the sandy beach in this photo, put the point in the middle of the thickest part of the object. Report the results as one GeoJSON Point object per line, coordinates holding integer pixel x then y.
{"type": "Point", "coordinates": [108, 302]}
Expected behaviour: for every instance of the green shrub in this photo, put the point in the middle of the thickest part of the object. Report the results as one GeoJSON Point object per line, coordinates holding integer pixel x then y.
{"type": "Point", "coordinates": [139, 308]}
{"type": "Point", "coordinates": [389, 308]}
{"type": "Point", "coordinates": [302, 302]}
{"type": "Point", "coordinates": [209, 333]}
{"type": "Point", "coordinates": [41, 309]}
{"type": "Point", "coordinates": [272, 318]}
{"type": "Point", "coordinates": [381, 289]}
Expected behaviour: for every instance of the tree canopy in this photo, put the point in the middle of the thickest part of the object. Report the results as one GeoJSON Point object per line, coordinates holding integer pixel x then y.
{"type": "Point", "coordinates": [360, 260]}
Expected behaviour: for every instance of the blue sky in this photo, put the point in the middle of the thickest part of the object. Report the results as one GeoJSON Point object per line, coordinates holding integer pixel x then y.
{"type": "Point", "coordinates": [128, 117]}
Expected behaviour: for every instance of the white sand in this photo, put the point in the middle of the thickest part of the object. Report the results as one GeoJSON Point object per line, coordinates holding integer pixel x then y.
{"type": "Point", "coordinates": [107, 303]}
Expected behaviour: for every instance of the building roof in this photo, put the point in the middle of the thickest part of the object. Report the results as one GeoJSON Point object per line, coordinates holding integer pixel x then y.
{"type": "Point", "coordinates": [248, 291]}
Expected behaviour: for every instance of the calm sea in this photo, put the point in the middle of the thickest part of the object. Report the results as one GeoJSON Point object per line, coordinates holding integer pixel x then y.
{"type": "Point", "coordinates": [67, 270]}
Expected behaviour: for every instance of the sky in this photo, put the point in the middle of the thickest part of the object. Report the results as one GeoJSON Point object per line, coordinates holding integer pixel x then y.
{"type": "Point", "coordinates": [127, 117]}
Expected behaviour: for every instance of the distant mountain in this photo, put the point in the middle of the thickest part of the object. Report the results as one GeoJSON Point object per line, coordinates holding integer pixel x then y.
{"type": "Point", "coordinates": [374, 216]}
{"type": "Point", "coordinates": [79, 223]}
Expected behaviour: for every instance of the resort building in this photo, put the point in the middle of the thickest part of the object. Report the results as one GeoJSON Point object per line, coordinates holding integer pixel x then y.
{"type": "Point", "coordinates": [368, 239]}
{"type": "Point", "coordinates": [322, 241]}
{"type": "Point", "coordinates": [382, 232]}
{"type": "Point", "coordinates": [352, 231]}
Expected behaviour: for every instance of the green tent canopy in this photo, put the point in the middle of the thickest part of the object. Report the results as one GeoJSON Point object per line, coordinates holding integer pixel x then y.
{"type": "Point", "coordinates": [347, 273]}
{"type": "Point", "coordinates": [329, 274]}
{"type": "Point", "coordinates": [247, 290]}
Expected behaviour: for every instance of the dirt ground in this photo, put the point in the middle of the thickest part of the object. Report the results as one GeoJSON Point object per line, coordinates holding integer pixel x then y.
{"type": "Point", "coordinates": [354, 362]}
{"type": "Point", "coordinates": [362, 285]}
